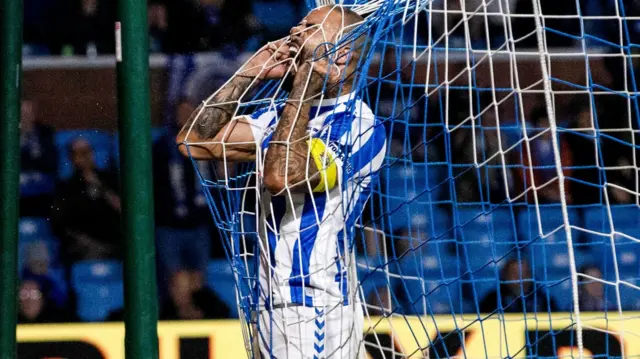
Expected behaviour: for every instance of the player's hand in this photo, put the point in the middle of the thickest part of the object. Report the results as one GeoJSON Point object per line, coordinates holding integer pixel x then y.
{"type": "Point", "coordinates": [271, 62]}
{"type": "Point", "coordinates": [324, 67]}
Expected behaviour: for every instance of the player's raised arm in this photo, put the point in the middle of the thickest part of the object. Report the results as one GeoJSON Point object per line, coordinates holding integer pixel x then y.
{"type": "Point", "coordinates": [214, 131]}
{"type": "Point", "coordinates": [296, 162]}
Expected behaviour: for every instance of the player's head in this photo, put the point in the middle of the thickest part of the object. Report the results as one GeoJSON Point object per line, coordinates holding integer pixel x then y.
{"type": "Point", "coordinates": [328, 25]}
{"type": "Point", "coordinates": [27, 113]}
{"type": "Point", "coordinates": [81, 155]}
{"type": "Point", "coordinates": [591, 287]}
{"type": "Point", "coordinates": [516, 275]}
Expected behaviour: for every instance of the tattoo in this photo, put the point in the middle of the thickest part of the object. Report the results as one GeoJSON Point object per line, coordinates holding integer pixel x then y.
{"type": "Point", "coordinates": [288, 152]}
{"type": "Point", "coordinates": [225, 104]}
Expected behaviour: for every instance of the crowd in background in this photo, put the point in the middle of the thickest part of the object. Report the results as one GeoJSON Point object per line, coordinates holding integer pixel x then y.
{"type": "Point", "coordinates": [84, 208]}
{"type": "Point", "coordinates": [86, 27]}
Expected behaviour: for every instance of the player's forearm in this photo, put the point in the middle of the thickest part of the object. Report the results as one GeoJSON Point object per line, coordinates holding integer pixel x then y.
{"type": "Point", "coordinates": [288, 164]}
{"type": "Point", "coordinates": [223, 107]}
{"type": "Point", "coordinates": [201, 132]}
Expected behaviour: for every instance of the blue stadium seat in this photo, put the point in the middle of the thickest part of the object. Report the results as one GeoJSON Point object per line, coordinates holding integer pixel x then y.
{"type": "Point", "coordinates": [222, 282]}
{"type": "Point", "coordinates": [441, 298]}
{"type": "Point", "coordinates": [629, 296]}
{"type": "Point", "coordinates": [551, 218]}
{"type": "Point", "coordinates": [52, 245]}
{"type": "Point", "coordinates": [560, 291]}
{"type": "Point", "coordinates": [625, 220]}
{"type": "Point", "coordinates": [496, 227]}
{"type": "Point", "coordinates": [484, 239]}
{"type": "Point", "coordinates": [276, 16]}
{"type": "Point", "coordinates": [34, 227]}
{"type": "Point", "coordinates": [411, 192]}
{"type": "Point", "coordinates": [627, 256]}
{"type": "Point", "coordinates": [156, 134]}
{"type": "Point", "coordinates": [96, 272]}
{"type": "Point", "coordinates": [477, 288]}
{"type": "Point", "coordinates": [370, 279]}
{"type": "Point", "coordinates": [96, 301]}
{"type": "Point", "coordinates": [550, 261]}
{"type": "Point", "coordinates": [482, 262]}
{"type": "Point", "coordinates": [437, 261]}
{"type": "Point", "coordinates": [102, 143]}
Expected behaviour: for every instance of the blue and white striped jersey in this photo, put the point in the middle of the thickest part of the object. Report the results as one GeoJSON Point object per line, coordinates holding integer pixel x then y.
{"type": "Point", "coordinates": [304, 237]}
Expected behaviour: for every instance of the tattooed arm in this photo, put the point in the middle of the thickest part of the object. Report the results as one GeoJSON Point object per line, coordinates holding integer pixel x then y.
{"type": "Point", "coordinates": [216, 124]}
{"type": "Point", "coordinates": [214, 132]}
{"type": "Point", "coordinates": [288, 164]}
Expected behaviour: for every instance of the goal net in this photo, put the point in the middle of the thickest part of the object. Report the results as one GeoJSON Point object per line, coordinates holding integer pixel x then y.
{"type": "Point", "coordinates": [504, 219]}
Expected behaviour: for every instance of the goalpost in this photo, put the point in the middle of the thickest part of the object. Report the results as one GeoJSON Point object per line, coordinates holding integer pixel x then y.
{"type": "Point", "coordinates": [504, 221]}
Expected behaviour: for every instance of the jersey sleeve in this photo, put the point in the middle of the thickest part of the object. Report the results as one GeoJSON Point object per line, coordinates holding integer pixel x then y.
{"type": "Point", "coordinates": [261, 120]}
{"type": "Point", "coordinates": [357, 142]}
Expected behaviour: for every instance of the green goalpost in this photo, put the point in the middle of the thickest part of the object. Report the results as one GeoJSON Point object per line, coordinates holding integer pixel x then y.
{"type": "Point", "coordinates": [141, 340]}
{"type": "Point", "coordinates": [10, 64]}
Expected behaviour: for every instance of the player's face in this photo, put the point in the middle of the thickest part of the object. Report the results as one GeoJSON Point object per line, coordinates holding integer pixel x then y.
{"type": "Point", "coordinates": [319, 26]}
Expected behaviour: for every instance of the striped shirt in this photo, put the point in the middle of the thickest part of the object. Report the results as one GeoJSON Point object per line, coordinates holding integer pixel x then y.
{"type": "Point", "coordinates": [305, 238]}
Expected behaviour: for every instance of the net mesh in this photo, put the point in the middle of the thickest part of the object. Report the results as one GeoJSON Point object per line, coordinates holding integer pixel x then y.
{"type": "Point", "coordinates": [509, 189]}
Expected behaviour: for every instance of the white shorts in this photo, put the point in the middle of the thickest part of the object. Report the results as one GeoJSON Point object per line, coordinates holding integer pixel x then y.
{"type": "Point", "coordinates": [303, 332]}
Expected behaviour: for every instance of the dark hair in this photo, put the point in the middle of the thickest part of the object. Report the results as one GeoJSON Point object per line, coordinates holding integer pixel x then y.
{"type": "Point", "coordinates": [510, 262]}
{"type": "Point", "coordinates": [538, 113]}
{"type": "Point", "coordinates": [76, 139]}
{"type": "Point", "coordinates": [586, 267]}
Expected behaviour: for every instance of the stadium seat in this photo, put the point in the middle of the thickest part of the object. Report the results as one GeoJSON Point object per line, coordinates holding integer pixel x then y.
{"type": "Point", "coordinates": [625, 220]}
{"type": "Point", "coordinates": [496, 226]}
{"type": "Point", "coordinates": [96, 301]}
{"type": "Point", "coordinates": [561, 292]}
{"type": "Point", "coordinates": [550, 218]}
{"type": "Point", "coordinates": [629, 297]}
{"type": "Point", "coordinates": [550, 261]}
{"type": "Point", "coordinates": [627, 258]}
{"type": "Point", "coordinates": [441, 297]}
{"type": "Point", "coordinates": [156, 134]}
{"type": "Point", "coordinates": [52, 245]}
{"type": "Point", "coordinates": [370, 280]}
{"type": "Point", "coordinates": [96, 272]}
{"type": "Point", "coordinates": [275, 16]}
{"type": "Point", "coordinates": [222, 282]}
{"type": "Point", "coordinates": [485, 238]}
{"type": "Point", "coordinates": [477, 288]}
{"type": "Point", "coordinates": [34, 227]}
{"type": "Point", "coordinates": [101, 142]}
{"type": "Point", "coordinates": [410, 194]}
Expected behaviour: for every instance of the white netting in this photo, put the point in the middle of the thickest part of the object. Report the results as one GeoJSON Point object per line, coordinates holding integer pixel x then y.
{"type": "Point", "coordinates": [506, 205]}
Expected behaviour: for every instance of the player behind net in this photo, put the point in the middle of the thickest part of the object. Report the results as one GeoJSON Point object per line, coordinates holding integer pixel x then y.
{"type": "Point", "coordinates": [317, 154]}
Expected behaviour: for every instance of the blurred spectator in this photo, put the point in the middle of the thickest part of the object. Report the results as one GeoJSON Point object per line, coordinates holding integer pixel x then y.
{"type": "Point", "coordinates": [43, 30]}
{"type": "Point", "coordinates": [488, 183]}
{"type": "Point", "coordinates": [542, 162]}
{"type": "Point", "coordinates": [177, 26]}
{"type": "Point", "coordinates": [564, 29]}
{"type": "Point", "coordinates": [38, 163]}
{"type": "Point", "coordinates": [582, 142]}
{"type": "Point", "coordinates": [591, 292]}
{"type": "Point", "coordinates": [187, 26]}
{"type": "Point", "coordinates": [625, 177]}
{"type": "Point", "coordinates": [189, 302]}
{"type": "Point", "coordinates": [182, 214]}
{"type": "Point", "coordinates": [90, 26]}
{"type": "Point", "coordinates": [157, 18]}
{"type": "Point", "coordinates": [35, 306]}
{"type": "Point", "coordinates": [86, 214]}
{"type": "Point", "coordinates": [379, 301]}
{"type": "Point", "coordinates": [518, 292]}
{"type": "Point", "coordinates": [37, 269]}
{"type": "Point", "coordinates": [230, 24]}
